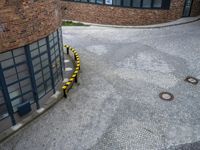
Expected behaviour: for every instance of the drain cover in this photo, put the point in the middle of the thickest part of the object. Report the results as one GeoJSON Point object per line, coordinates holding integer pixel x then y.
{"type": "Point", "coordinates": [191, 80]}
{"type": "Point", "coordinates": [166, 96]}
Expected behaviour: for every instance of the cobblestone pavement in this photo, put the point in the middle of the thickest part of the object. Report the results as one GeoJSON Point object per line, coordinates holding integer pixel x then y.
{"type": "Point", "coordinates": [117, 104]}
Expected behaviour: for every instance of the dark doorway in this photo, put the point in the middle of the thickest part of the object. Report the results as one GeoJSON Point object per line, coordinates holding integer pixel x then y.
{"type": "Point", "coordinates": [187, 8]}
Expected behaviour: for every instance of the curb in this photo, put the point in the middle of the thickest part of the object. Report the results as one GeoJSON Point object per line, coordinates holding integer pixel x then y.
{"type": "Point", "coordinates": [54, 99]}
{"type": "Point", "coordinates": [163, 25]}
{"type": "Point", "coordinates": [14, 129]}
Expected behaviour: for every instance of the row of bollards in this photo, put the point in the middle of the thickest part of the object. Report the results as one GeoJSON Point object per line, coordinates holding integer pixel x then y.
{"type": "Point", "coordinates": [74, 77]}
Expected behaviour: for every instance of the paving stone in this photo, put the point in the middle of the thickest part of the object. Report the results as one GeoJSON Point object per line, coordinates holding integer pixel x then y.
{"type": "Point", "coordinates": [117, 104]}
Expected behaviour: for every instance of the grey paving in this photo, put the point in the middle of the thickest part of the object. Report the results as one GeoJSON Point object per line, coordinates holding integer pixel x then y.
{"type": "Point", "coordinates": [116, 105]}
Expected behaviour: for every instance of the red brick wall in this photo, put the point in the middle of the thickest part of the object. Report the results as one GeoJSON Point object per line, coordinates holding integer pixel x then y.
{"type": "Point", "coordinates": [24, 21]}
{"type": "Point", "coordinates": [195, 8]}
{"type": "Point", "coordinates": [103, 14]}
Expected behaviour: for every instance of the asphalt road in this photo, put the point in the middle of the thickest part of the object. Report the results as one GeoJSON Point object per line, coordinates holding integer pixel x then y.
{"type": "Point", "coordinates": [117, 104]}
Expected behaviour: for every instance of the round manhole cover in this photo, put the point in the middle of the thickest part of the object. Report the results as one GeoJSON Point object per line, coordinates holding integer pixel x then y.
{"type": "Point", "coordinates": [166, 96]}
{"type": "Point", "coordinates": [192, 80]}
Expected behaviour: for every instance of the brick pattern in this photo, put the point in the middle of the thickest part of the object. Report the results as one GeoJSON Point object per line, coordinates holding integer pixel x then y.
{"type": "Point", "coordinates": [27, 21]}
{"type": "Point", "coordinates": [121, 16]}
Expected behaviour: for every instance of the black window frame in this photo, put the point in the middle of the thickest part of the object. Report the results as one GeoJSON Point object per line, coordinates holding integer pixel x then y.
{"type": "Point", "coordinates": [165, 4]}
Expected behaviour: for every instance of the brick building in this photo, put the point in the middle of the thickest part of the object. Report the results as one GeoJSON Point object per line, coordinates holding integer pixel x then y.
{"type": "Point", "coordinates": [129, 12]}
{"type": "Point", "coordinates": [31, 56]}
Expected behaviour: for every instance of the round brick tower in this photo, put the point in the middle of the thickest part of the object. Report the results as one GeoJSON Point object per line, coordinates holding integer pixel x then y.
{"type": "Point", "coordinates": [31, 56]}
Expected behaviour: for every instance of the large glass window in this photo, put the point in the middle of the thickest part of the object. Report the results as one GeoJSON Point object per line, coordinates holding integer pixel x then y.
{"type": "Point", "coordinates": [15, 71]}
{"type": "Point", "coordinates": [27, 72]}
{"type": "Point", "coordinates": [55, 57]}
{"type": "Point", "coordinates": [41, 67]}
{"type": "Point", "coordinates": [150, 4]}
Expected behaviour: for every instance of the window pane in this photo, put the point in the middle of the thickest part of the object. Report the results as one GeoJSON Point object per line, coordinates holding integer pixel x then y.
{"type": "Point", "coordinates": [46, 76]}
{"type": "Point", "coordinates": [11, 79]}
{"type": "Point", "coordinates": [23, 74]}
{"type": "Point", "coordinates": [37, 67]}
{"type": "Point", "coordinates": [50, 37]}
{"type": "Point", "coordinates": [7, 63]}
{"type": "Point", "coordinates": [56, 39]}
{"type": "Point", "coordinates": [46, 70]}
{"type": "Point", "coordinates": [15, 103]}
{"type": "Point", "coordinates": [36, 61]}
{"type": "Point", "coordinates": [127, 3]}
{"type": "Point", "coordinates": [15, 94]}
{"type": "Point", "coordinates": [99, 1]}
{"type": "Point", "coordinates": [42, 42]}
{"type": "Point", "coordinates": [92, 1]}
{"type": "Point", "coordinates": [26, 88]}
{"type": "Point", "coordinates": [43, 49]}
{"type": "Point", "coordinates": [39, 81]}
{"type": "Point", "coordinates": [157, 3]}
{"type": "Point", "coordinates": [53, 57]}
{"type": "Point", "coordinates": [33, 46]}
{"type": "Point", "coordinates": [34, 53]}
{"type": "Point", "coordinates": [3, 110]}
{"type": "Point", "coordinates": [20, 58]}
{"type": "Point", "coordinates": [18, 51]}
{"type": "Point", "coordinates": [28, 97]}
{"type": "Point", "coordinates": [55, 34]}
{"type": "Point", "coordinates": [117, 2]}
{"type": "Point", "coordinates": [13, 87]}
{"type": "Point", "coordinates": [22, 68]}
{"type": "Point", "coordinates": [136, 3]}
{"type": "Point", "coordinates": [5, 56]}
{"type": "Point", "coordinates": [146, 4]}
{"type": "Point", "coordinates": [45, 63]}
{"type": "Point", "coordinates": [56, 47]}
{"type": "Point", "coordinates": [25, 82]}
{"type": "Point", "coordinates": [9, 72]}
{"type": "Point", "coordinates": [51, 43]}
{"type": "Point", "coordinates": [41, 91]}
{"type": "Point", "coordinates": [52, 51]}
{"type": "Point", "coordinates": [49, 85]}
{"type": "Point", "coordinates": [44, 57]}
{"type": "Point", "coordinates": [38, 75]}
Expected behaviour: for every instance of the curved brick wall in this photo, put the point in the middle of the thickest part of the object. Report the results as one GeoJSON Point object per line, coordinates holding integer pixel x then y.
{"type": "Point", "coordinates": [103, 14]}
{"type": "Point", "coordinates": [24, 21]}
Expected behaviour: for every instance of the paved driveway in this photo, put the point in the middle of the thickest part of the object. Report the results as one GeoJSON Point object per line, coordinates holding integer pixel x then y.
{"type": "Point", "coordinates": [117, 104]}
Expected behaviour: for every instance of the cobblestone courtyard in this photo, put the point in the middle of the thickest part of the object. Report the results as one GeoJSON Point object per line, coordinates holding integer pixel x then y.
{"type": "Point", "coordinates": [117, 104]}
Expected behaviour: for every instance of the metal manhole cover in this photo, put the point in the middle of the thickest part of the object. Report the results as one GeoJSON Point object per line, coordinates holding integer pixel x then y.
{"type": "Point", "coordinates": [166, 96]}
{"type": "Point", "coordinates": [191, 80]}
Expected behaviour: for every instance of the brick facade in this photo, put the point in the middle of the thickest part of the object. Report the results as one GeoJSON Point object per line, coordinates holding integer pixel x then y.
{"type": "Point", "coordinates": [103, 14]}
{"type": "Point", "coordinates": [24, 21]}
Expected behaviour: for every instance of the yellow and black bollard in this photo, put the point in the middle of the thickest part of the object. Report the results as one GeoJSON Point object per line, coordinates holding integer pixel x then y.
{"type": "Point", "coordinates": [64, 91]}
{"type": "Point", "coordinates": [74, 77]}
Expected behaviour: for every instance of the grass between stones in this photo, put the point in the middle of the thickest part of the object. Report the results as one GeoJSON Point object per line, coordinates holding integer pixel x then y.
{"type": "Point", "coordinates": [70, 23]}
